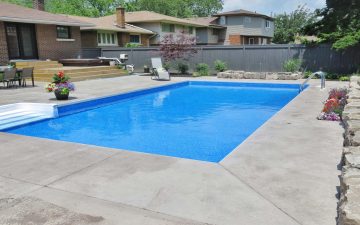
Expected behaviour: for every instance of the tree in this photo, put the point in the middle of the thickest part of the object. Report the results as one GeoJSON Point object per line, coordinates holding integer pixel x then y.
{"type": "Point", "coordinates": [288, 26]}
{"type": "Point", "coordinates": [96, 8]}
{"type": "Point", "coordinates": [177, 8]}
{"type": "Point", "coordinates": [340, 23]}
{"type": "Point", "coordinates": [91, 8]}
{"type": "Point", "coordinates": [177, 47]}
{"type": "Point", "coordinates": [26, 3]}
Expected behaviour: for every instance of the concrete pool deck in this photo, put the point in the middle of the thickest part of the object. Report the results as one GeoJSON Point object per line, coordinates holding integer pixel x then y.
{"type": "Point", "coordinates": [284, 173]}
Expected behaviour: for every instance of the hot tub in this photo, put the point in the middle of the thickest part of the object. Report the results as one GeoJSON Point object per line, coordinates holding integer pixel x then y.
{"type": "Point", "coordinates": [84, 62]}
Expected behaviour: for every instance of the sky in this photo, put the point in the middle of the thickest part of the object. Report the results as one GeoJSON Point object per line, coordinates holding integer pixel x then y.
{"type": "Point", "coordinates": [271, 6]}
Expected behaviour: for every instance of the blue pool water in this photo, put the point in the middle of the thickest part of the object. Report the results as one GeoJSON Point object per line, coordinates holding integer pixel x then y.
{"type": "Point", "coordinates": [195, 120]}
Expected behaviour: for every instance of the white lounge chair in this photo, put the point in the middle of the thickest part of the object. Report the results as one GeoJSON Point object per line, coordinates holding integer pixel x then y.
{"type": "Point", "coordinates": [159, 73]}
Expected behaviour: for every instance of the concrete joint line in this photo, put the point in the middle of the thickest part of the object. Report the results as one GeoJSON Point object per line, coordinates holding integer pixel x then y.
{"type": "Point", "coordinates": [261, 195]}
{"type": "Point", "coordinates": [129, 206]}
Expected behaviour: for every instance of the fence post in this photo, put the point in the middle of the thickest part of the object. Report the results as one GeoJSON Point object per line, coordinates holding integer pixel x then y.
{"type": "Point", "coordinates": [202, 54]}
{"type": "Point", "coordinates": [244, 57]}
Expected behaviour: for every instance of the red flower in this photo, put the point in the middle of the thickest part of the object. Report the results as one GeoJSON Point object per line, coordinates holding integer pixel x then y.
{"type": "Point", "coordinates": [331, 105]}
{"type": "Point", "coordinates": [61, 74]}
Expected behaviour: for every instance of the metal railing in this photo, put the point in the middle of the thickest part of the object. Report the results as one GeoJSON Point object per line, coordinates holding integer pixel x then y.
{"type": "Point", "coordinates": [322, 77]}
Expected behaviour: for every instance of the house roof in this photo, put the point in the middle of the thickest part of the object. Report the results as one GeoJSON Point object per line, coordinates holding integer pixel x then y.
{"type": "Point", "coordinates": [206, 21]}
{"type": "Point", "coordinates": [243, 12]}
{"type": "Point", "coordinates": [148, 16]}
{"type": "Point", "coordinates": [109, 24]}
{"type": "Point", "coordinates": [16, 13]}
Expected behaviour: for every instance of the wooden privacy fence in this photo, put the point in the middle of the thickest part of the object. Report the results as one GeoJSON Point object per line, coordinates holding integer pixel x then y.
{"type": "Point", "coordinates": [255, 58]}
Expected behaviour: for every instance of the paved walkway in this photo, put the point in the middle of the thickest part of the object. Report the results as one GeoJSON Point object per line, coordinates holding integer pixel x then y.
{"type": "Point", "coordinates": [284, 173]}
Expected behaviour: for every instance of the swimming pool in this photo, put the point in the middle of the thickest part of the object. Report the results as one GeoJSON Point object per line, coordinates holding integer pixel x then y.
{"type": "Point", "coordinates": [195, 120]}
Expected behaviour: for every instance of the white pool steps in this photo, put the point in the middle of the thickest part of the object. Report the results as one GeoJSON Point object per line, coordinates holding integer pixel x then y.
{"type": "Point", "coordinates": [23, 113]}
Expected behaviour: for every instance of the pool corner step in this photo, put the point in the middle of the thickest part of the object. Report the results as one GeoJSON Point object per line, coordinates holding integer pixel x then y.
{"type": "Point", "coordinates": [23, 113]}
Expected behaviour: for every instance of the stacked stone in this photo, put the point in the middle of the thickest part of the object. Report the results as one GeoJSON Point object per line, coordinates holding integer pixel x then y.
{"type": "Point", "coordinates": [239, 74]}
{"type": "Point", "coordinates": [349, 204]}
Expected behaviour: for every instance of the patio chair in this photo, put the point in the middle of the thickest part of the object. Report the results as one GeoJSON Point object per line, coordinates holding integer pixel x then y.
{"type": "Point", "coordinates": [27, 73]}
{"type": "Point", "coordinates": [159, 73]}
{"type": "Point", "coordinates": [9, 77]}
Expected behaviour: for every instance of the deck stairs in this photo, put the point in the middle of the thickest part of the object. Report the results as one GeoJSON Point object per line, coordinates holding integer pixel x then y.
{"type": "Point", "coordinates": [23, 113]}
{"type": "Point", "coordinates": [45, 70]}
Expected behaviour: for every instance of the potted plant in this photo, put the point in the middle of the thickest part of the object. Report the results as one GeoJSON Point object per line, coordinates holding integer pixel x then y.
{"type": "Point", "coordinates": [146, 69]}
{"type": "Point", "coordinates": [61, 86]}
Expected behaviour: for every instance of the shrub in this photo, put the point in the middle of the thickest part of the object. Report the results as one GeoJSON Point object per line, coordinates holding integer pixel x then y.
{"type": "Point", "coordinates": [202, 69]}
{"type": "Point", "coordinates": [182, 68]}
{"type": "Point", "coordinates": [292, 65]}
{"type": "Point", "coordinates": [344, 78]}
{"type": "Point", "coordinates": [308, 74]}
{"type": "Point", "coordinates": [220, 66]}
{"type": "Point", "coordinates": [132, 45]}
{"type": "Point", "coordinates": [167, 66]}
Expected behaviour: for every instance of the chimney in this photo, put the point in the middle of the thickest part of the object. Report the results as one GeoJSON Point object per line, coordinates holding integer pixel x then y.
{"type": "Point", "coordinates": [120, 16]}
{"type": "Point", "coordinates": [39, 5]}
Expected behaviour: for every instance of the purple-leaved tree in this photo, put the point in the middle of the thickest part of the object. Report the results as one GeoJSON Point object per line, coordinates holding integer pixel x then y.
{"type": "Point", "coordinates": [177, 47]}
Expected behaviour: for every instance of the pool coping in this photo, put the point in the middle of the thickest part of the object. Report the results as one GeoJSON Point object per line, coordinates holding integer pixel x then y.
{"type": "Point", "coordinates": [193, 197]}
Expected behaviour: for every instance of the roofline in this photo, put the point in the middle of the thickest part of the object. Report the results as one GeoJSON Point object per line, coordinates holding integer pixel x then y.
{"type": "Point", "coordinates": [114, 30]}
{"type": "Point", "coordinates": [243, 14]}
{"type": "Point", "coordinates": [167, 21]}
{"type": "Point", "coordinates": [35, 21]}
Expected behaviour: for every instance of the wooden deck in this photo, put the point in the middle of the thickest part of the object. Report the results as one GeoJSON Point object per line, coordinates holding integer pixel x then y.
{"type": "Point", "coordinates": [45, 70]}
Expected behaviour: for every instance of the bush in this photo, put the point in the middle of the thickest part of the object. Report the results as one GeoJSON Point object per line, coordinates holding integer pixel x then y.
{"type": "Point", "coordinates": [132, 45]}
{"type": "Point", "coordinates": [332, 76]}
{"type": "Point", "coordinates": [202, 69]}
{"type": "Point", "coordinates": [292, 65]}
{"type": "Point", "coordinates": [308, 74]}
{"type": "Point", "coordinates": [167, 66]}
{"type": "Point", "coordinates": [220, 66]}
{"type": "Point", "coordinates": [182, 68]}
{"type": "Point", "coordinates": [344, 78]}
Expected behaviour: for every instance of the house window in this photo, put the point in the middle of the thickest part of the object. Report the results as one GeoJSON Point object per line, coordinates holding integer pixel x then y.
{"type": "Point", "coordinates": [251, 41]}
{"type": "Point", "coordinates": [63, 32]}
{"type": "Point", "coordinates": [166, 27]}
{"type": "Point", "coordinates": [107, 39]}
{"type": "Point", "coordinates": [267, 24]}
{"type": "Point", "coordinates": [134, 38]}
{"type": "Point", "coordinates": [222, 20]}
{"type": "Point", "coordinates": [247, 19]}
{"type": "Point", "coordinates": [215, 31]}
{"type": "Point", "coordinates": [191, 30]}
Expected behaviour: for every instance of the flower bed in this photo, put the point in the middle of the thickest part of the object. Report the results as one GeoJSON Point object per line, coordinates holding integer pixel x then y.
{"type": "Point", "coordinates": [334, 105]}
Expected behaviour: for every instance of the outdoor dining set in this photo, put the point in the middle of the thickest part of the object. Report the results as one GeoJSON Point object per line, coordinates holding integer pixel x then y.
{"type": "Point", "coordinates": [16, 77]}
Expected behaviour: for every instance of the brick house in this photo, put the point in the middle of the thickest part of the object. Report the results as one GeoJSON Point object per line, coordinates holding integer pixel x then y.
{"type": "Point", "coordinates": [112, 31]}
{"type": "Point", "coordinates": [34, 34]}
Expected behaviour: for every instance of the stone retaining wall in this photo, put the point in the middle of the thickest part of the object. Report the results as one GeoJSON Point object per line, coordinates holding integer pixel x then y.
{"type": "Point", "coordinates": [238, 74]}
{"type": "Point", "coordinates": [349, 204]}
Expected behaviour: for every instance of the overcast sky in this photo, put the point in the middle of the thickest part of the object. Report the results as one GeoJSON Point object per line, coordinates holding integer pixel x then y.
{"type": "Point", "coordinates": [271, 6]}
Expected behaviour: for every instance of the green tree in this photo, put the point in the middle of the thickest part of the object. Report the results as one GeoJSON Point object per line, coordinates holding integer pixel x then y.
{"type": "Point", "coordinates": [177, 8]}
{"type": "Point", "coordinates": [26, 3]}
{"type": "Point", "coordinates": [288, 26]}
{"type": "Point", "coordinates": [340, 23]}
{"type": "Point", "coordinates": [91, 8]}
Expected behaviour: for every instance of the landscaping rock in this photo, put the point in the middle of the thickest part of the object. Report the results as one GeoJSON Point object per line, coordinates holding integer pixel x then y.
{"type": "Point", "coordinates": [352, 158]}
{"type": "Point", "coordinates": [349, 205]}
{"type": "Point", "coordinates": [351, 126]}
{"type": "Point", "coordinates": [271, 76]}
{"type": "Point", "coordinates": [354, 93]}
{"type": "Point", "coordinates": [234, 74]}
{"type": "Point", "coordinates": [352, 140]}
